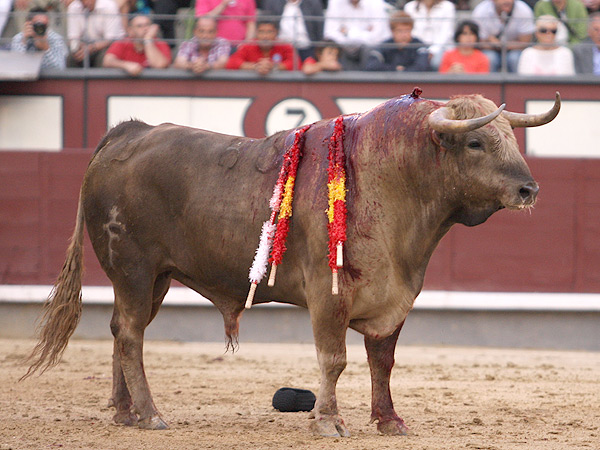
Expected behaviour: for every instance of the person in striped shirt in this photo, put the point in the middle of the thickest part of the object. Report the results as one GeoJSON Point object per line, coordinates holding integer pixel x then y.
{"type": "Point", "coordinates": [37, 37]}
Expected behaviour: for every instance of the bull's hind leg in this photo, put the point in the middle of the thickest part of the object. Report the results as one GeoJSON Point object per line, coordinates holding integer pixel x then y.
{"type": "Point", "coordinates": [121, 398]}
{"type": "Point", "coordinates": [381, 360]}
{"type": "Point", "coordinates": [135, 307]}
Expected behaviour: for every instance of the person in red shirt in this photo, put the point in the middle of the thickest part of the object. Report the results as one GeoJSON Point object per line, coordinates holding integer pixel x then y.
{"type": "Point", "coordinates": [264, 55]}
{"type": "Point", "coordinates": [140, 50]}
{"type": "Point", "coordinates": [465, 58]}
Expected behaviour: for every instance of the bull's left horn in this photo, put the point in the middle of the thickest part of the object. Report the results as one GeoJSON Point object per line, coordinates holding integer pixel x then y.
{"type": "Point", "coordinates": [440, 122]}
{"type": "Point", "coordinates": [533, 120]}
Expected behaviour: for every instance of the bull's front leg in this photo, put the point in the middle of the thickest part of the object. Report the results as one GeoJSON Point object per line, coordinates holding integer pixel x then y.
{"type": "Point", "coordinates": [380, 354]}
{"type": "Point", "coordinates": [329, 328]}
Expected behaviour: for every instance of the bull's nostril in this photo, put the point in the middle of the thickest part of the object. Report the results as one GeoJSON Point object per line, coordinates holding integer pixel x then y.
{"type": "Point", "coordinates": [529, 191]}
{"type": "Point", "coordinates": [524, 192]}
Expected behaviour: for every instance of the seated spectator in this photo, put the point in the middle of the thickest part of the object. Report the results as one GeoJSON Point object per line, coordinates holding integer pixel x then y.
{"type": "Point", "coordinates": [465, 58]}
{"type": "Point", "coordinates": [164, 8]}
{"type": "Point", "coordinates": [92, 25]}
{"type": "Point", "coordinates": [546, 57]}
{"type": "Point", "coordinates": [504, 23]}
{"type": "Point", "coordinates": [263, 55]}
{"type": "Point", "coordinates": [236, 19]}
{"type": "Point", "coordinates": [129, 7]}
{"type": "Point", "coordinates": [592, 6]}
{"type": "Point", "coordinates": [402, 52]}
{"type": "Point", "coordinates": [434, 25]}
{"type": "Point", "coordinates": [205, 51]}
{"type": "Point", "coordinates": [356, 25]}
{"type": "Point", "coordinates": [140, 50]}
{"type": "Point", "coordinates": [587, 52]}
{"type": "Point", "coordinates": [37, 37]}
{"type": "Point", "coordinates": [327, 59]}
{"type": "Point", "coordinates": [294, 27]}
{"type": "Point", "coordinates": [571, 13]}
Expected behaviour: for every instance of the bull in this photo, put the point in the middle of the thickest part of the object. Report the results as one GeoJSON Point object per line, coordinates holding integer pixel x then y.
{"type": "Point", "coordinates": [169, 202]}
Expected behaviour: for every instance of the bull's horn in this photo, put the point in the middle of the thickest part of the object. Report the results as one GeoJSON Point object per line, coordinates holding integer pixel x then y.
{"type": "Point", "coordinates": [533, 120]}
{"type": "Point", "coordinates": [439, 121]}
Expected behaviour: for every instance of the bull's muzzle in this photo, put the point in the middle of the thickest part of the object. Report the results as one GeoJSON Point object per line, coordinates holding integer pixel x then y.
{"type": "Point", "coordinates": [528, 193]}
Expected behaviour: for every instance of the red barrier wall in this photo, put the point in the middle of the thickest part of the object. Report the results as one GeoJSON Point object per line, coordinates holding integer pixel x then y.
{"type": "Point", "coordinates": [556, 248]}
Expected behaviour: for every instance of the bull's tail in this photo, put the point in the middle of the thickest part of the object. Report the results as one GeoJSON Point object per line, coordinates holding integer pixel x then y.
{"type": "Point", "coordinates": [62, 309]}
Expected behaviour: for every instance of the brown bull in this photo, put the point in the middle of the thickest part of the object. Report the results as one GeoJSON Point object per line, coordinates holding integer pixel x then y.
{"type": "Point", "coordinates": [170, 202]}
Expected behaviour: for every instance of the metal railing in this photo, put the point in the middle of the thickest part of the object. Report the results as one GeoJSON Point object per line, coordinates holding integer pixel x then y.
{"type": "Point", "coordinates": [183, 24]}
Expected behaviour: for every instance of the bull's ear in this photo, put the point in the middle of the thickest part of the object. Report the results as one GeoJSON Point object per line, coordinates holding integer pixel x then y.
{"type": "Point", "coordinates": [445, 141]}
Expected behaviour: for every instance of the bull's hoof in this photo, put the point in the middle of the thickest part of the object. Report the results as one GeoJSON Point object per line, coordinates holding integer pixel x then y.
{"type": "Point", "coordinates": [153, 423]}
{"type": "Point", "coordinates": [126, 418]}
{"type": "Point", "coordinates": [329, 427]}
{"type": "Point", "coordinates": [394, 427]}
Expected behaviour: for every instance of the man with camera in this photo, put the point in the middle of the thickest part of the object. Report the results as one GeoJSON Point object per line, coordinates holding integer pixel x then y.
{"type": "Point", "coordinates": [37, 37]}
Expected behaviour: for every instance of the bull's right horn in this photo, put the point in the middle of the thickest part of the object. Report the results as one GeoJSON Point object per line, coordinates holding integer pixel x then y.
{"type": "Point", "coordinates": [533, 120]}
{"type": "Point", "coordinates": [440, 122]}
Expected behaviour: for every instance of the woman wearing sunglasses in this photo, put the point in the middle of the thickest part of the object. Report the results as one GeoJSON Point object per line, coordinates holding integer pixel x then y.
{"type": "Point", "coordinates": [546, 57]}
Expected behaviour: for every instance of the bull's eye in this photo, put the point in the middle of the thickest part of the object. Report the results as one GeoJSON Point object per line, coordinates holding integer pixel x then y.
{"type": "Point", "coordinates": [475, 144]}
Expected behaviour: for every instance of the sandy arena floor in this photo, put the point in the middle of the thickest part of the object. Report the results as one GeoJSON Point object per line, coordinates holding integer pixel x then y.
{"type": "Point", "coordinates": [451, 398]}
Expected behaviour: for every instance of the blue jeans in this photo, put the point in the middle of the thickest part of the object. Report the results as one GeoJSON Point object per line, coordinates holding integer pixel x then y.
{"type": "Point", "coordinates": [512, 60]}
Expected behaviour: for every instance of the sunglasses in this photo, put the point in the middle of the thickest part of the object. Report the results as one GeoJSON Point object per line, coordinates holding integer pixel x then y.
{"type": "Point", "coordinates": [547, 30]}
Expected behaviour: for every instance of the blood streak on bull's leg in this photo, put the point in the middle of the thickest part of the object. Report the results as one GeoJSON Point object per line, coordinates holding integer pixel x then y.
{"type": "Point", "coordinates": [380, 354]}
{"type": "Point", "coordinates": [113, 229]}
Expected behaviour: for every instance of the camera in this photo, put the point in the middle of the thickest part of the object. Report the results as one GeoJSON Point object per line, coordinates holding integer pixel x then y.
{"type": "Point", "coordinates": [39, 28]}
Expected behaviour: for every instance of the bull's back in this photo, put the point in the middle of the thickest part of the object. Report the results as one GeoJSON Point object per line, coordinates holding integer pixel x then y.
{"type": "Point", "coordinates": [185, 198]}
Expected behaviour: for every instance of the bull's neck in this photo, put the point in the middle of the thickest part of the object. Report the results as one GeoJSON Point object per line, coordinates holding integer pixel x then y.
{"type": "Point", "coordinates": [400, 190]}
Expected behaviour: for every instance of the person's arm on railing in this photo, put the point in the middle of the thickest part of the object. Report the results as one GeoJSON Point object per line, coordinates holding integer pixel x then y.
{"type": "Point", "coordinates": [157, 58]}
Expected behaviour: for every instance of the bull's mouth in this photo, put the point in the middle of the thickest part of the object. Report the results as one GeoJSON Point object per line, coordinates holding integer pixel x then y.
{"type": "Point", "coordinates": [518, 206]}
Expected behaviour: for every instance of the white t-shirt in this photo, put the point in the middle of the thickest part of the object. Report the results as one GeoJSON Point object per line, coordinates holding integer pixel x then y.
{"type": "Point", "coordinates": [367, 23]}
{"type": "Point", "coordinates": [520, 22]}
{"type": "Point", "coordinates": [534, 61]}
{"type": "Point", "coordinates": [435, 27]}
{"type": "Point", "coordinates": [104, 22]}
{"type": "Point", "coordinates": [292, 27]}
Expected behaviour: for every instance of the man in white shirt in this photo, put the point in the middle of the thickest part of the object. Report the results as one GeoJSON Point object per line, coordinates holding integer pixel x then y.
{"type": "Point", "coordinates": [504, 26]}
{"type": "Point", "coordinates": [301, 23]}
{"type": "Point", "coordinates": [355, 24]}
{"type": "Point", "coordinates": [92, 25]}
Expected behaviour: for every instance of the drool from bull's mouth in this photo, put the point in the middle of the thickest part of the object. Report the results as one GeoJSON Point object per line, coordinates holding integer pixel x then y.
{"type": "Point", "coordinates": [393, 180]}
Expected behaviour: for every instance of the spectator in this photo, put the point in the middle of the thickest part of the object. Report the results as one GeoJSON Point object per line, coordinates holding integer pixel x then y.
{"type": "Point", "coordinates": [205, 51]}
{"type": "Point", "coordinates": [294, 26]}
{"type": "Point", "coordinates": [327, 59]}
{"type": "Point", "coordinates": [546, 57]}
{"type": "Point", "coordinates": [236, 19]}
{"type": "Point", "coordinates": [465, 58]}
{"type": "Point", "coordinates": [434, 25]}
{"type": "Point", "coordinates": [140, 50]}
{"type": "Point", "coordinates": [263, 55]}
{"type": "Point", "coordinates": [571, 13]}
{"type": "Point", "coordinates": [592, 6]}
{"type": "Point", "coordinates": [129, 7]}
{"type": "Point", "coordinates": [587, 53]}
{"type": "Point", "coordinates": [92, 25]}
{"type": "Point", "coordinates": [504, 23]}
{"type": "Point", "coordinates": [37, 37]}
{"type": "Point", "coordinates": [402, 52]}
{"type": "Point", "coordinates": [20, 10]}
{"type": "Point", "coordinates": [167, 24]}
{"type": "Point", "coordinates": [355, 25]}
